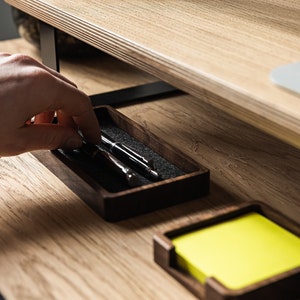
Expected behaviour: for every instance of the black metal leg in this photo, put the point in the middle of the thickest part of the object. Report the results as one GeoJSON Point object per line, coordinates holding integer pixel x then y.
{"type": "Point", "coordinates": [48, 46]}
{"type": "Point", "coordinates": [144, 92]}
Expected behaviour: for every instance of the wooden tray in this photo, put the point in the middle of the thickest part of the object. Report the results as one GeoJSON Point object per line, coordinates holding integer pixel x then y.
{"type": "Point", "coordinates": [183, 178]}
{"type": "Point", "coordinates": [285, 286]}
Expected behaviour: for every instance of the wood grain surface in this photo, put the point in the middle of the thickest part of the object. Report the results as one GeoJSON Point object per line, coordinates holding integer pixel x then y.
{"type": "Point", "coordinates": [222, 52]}
{"type": "Point", "coordinates": [52, 246]}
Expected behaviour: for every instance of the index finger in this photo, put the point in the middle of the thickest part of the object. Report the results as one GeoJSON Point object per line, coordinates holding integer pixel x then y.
{"type": "Point", "coordinates": [50, 93]}
{"type": "Point", "coordinates": [77, 106]}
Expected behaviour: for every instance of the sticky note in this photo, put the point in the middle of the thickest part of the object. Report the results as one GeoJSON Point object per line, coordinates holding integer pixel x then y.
{"type": "Point", "coordinates": [238, 252]}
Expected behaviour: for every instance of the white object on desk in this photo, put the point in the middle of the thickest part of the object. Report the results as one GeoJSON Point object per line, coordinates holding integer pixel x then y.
{"type": "Point", "coordinates": [287, 76]}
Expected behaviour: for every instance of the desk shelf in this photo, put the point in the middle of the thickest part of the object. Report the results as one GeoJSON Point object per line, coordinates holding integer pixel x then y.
{"type": "Point", "coordinates": [220, 52]}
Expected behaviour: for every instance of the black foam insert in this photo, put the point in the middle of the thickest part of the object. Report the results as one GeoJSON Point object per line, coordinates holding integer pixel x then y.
{"type": "Point", "coordinates": [107, 178]}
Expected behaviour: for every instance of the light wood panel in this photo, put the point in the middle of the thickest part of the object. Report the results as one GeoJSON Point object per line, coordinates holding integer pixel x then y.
{"type": "Point", "coordinates": [219, 51]}
{"type": "Point", "coordinates": [52, 246]}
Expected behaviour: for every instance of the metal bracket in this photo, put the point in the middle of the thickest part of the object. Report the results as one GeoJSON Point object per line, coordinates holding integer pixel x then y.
{"type": "Point", "coordinates": [48, 43]}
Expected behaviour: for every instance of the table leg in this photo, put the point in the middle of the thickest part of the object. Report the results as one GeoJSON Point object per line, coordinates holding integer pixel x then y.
{"type": "Point", "coordinates": [144, 92]}
{"type": "Point", "coordinates": [49, 46]}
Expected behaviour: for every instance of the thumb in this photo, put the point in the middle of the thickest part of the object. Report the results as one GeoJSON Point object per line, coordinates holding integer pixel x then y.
{"type": "Point", "coordinates": [49, 137]}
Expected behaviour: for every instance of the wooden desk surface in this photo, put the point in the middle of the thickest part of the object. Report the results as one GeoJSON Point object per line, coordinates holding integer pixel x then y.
{"type": "Point", "coordinates": [219, 51]}
{"type": "Point", "coordinates": [52, 246]}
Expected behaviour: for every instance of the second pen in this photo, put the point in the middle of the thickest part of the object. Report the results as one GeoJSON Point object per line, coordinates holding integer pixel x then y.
{"type": "Point", "coordinates": [130, 157]}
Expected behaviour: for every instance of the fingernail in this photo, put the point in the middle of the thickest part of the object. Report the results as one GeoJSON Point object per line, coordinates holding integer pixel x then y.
{"type": "Point", "coordinates": [73, 143]}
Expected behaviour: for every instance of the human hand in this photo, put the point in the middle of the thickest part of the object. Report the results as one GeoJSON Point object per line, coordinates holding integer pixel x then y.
{"type": "Point", "coordinates": [29, 89]}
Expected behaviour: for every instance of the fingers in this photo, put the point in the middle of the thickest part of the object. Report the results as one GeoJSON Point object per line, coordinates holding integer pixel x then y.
{"type": "Point", "coordinates": [30, 89]}
{"type": "Point", "coordinates": [48, 91]}
{"type": "Point", "coordinates": [46, 117]}
{"type": "Point", "coordinates": [64, 120]}
{"type": "Point", "coordinates": [72, 105]}
{"type": "Point", "coordinates": [47, 137]}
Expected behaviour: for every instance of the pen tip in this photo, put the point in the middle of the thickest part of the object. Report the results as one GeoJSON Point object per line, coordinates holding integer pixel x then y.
{"type": "Point", "coordinates": [155, 175]}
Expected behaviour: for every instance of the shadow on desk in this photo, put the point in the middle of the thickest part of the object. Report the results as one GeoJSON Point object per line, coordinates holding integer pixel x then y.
{"type": "Point", "coordinates": [38, 221]}
{"type": "Point", "coordinates": [218, 199]}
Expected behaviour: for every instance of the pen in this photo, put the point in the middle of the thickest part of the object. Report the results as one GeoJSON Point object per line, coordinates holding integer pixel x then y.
{"type": "Point", "coordinates": [137, 161]}
{"type": "Point", "coordinates": [123, 149]}
{"type": "Point", "coordinates": [96, 153]}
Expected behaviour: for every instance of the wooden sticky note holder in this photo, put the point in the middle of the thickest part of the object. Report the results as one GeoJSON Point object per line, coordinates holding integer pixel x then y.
{"type": "Point", "coordinates": [183, 178]}
{"type": "Point", "coordinates": [228, 231]}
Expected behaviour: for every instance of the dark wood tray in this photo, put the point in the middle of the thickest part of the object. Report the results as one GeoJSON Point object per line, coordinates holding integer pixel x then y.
{"type": "Point", "coordinates": [285, 286]}
{"type": "Point", "coordinates": [183, 178]}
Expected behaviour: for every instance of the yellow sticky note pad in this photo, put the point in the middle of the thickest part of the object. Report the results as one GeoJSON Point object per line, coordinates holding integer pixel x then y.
{"type": "Point", "coordinates": [238, 252]}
